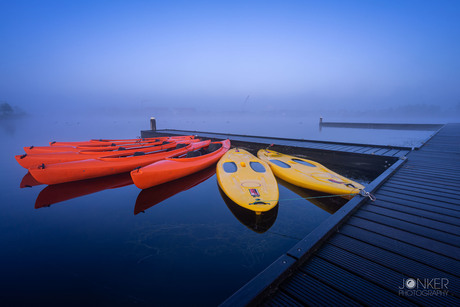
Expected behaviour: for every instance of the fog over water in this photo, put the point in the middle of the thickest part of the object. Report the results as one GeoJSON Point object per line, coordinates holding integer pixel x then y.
{"type": "Point", "coordinates": [353, 61]}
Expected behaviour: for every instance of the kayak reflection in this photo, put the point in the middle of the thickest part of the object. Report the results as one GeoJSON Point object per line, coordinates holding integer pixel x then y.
{"type": "Point", "coordinates": [259, 223]}
{"type": "Point", "coordinates": [64, 191]}
{"type": "Point", "coordinates": [322, 200]}
{"type": "Point", "coordinates": [28, 181]}
{"type": "Point", "coordinates": [150, 197]}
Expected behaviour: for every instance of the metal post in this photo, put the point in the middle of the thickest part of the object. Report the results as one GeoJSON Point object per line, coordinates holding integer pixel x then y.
{"type": "Point", "coordinates": [153, 124]}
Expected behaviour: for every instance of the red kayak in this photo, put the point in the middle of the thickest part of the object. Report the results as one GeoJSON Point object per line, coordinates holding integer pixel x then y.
{"type": "Point", "coordinates": [102, 142]}
{"type": "Point", "coordinates": [104, 166]}
{"type": "Point", "coordinates": [32, 150]}
{"type": "Point", "coordinates": [33, 160]}
{"type": "Point", "coordinates": [174, 168]}
{"type": "Point", "coordinates": [106, 146]}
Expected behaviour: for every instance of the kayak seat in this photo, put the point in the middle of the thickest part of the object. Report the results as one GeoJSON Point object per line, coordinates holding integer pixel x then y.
{"type": "Point", "coordinates": [121, 148]}
{"type": "Point", "coordinates": [213, 147]}
{"type": "Point", "coordinates": [139, 153]}
{"type": "Point", "coordinates": [165, 142]}
{"type": "Point", "coordinates": [180, 146]}
{"type": "Point", "coordinates": [192, 154]}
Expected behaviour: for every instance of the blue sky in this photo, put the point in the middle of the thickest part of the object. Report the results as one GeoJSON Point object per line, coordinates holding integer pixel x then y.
{"type": "Point", "coordinates": [212, 54]}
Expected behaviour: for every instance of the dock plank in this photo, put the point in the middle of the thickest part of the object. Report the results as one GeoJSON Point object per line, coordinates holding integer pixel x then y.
{"type": "Point", "coordinates": [414, 178]}
{"type": "Point", "coordinates": [412, 218]}
{"type": "Point", "coordinates": [358, 288]}
{"type": "Point", "coordinates": [422, 204]}
{"type": "Point", "coordinates": [427, 232]}
{"type": "Point", "coordinates": [394, 261]}
{"type": "Point", "coordinates": [428, 198]}
{"type": "Point", "coordinates": [431, 188]}
{"type": "Point", "coordinates": [350, 235]}
{"type": "Point", "coordinates": [382, 276]}
{"type": "Point", "coordinates": [407, 237]}
{"type": "Point", "coordinates": [312, 292]}
{"type": "Point", "coordinates": [409, 208]}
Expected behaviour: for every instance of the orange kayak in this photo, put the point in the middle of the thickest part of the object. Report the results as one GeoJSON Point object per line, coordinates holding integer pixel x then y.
{"type": "Point", "coordinates": [106, 146]}
{"type": "Point", "coordinates": [53, 149]}
{"type": "Point", "coordinates": [33, 160]}
{"type": "Point", "coordinates": [102, 142]}
{"type": "Point", "coordinates": [104, 166]}
{"type": "Point", "coordinates": [174, 168]}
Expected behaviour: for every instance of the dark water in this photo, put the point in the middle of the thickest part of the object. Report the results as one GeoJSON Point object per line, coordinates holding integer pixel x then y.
{"type": "Point", "coordinates": [105, 242]}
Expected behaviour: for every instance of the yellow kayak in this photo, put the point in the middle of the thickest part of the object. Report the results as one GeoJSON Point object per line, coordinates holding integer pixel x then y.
{"type": "Point", "coordinates": [309, 174]}
{"type": "Point", "coordinates": [247, 181]}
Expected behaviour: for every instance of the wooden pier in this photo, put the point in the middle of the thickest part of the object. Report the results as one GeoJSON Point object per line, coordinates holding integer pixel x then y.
{"type": "Point", "coordinates": [387, 151]}
{"type": "Point", "coordinates": [403, 249]}
{"type": "Point", "coordinates": [387, 126]}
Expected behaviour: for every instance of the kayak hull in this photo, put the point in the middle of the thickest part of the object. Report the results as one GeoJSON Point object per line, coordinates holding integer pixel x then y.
{"type": "Point", "coordinates": [175, 168]}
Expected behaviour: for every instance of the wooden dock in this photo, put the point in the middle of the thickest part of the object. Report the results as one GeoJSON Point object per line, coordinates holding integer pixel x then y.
{"type": "Point", "coordinates": [386, 126]}
{"type": "Point", "coordinates": [386, 151]}
{"type": "Point", "coordinates": [402, 249]}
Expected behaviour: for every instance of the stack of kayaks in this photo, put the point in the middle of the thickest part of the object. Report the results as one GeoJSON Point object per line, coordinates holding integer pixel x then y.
{"type": "Point", "coordinates": [33, 160]}
{"type": "Point", "coordinates": [107, 165]}
{"type": "Point", "coordinates": [71, 161]}
{"type": "Point", "coordinates": [103, 145]}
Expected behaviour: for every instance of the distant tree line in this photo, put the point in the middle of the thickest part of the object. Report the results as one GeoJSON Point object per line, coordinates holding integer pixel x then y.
{"type": "Point", "coordinates": [6, 109]}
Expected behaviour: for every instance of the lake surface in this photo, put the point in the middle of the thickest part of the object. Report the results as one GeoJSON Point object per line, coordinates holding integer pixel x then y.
{"type": "Point", "coordinates": [106, 242]}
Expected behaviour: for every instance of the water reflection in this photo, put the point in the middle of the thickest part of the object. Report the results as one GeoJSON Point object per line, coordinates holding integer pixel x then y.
{"type": "Point", "coordinates": [321, 200]}
{"type": "Point", "coordinates": [64, 191]}
{"type": "Point", "coordinates": [28, 181]}
{"type": "Point", "coordinates": [259, 223]}
{"type": "Point", "coordinates": [150, 197]}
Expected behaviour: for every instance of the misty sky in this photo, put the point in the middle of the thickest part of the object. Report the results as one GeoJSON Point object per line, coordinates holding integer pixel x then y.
{"type": "Point", "coordinates": [205, 54]}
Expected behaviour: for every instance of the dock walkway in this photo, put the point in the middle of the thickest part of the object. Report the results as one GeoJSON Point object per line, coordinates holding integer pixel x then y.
{"type": "Point", "coordinates": [387, 151]}
{"type": "Point", "coordinates": [402, 249]}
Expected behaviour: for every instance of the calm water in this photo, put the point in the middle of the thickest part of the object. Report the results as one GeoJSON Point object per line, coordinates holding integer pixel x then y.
{"type": "Point", "coordinates": [105, 241]}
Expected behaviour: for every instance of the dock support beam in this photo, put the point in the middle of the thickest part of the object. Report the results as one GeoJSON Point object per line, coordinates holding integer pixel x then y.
{"type": "Point", "coordinates": [153, 124]}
